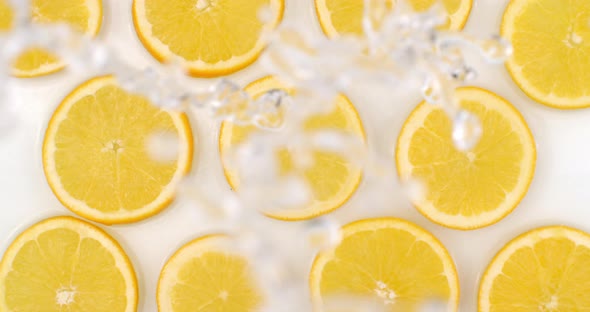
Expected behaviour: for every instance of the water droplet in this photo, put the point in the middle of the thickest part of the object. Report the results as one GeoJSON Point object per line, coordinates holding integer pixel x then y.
{"type": "Point", "coordinates": [267, 14]}
{"type": "Point", "coordinates": [163, 146]}
{"type": "Point", "coordinates": [415, 189]}
{"type": "Point", "coordinates": [11, 48]}
{"type": "Point", "coordinates": [496, 49]}
{"type": "Point", "coordinates": [270, 109]}
{"type": "Point", "coordinates": [228, 101]}
{"type": "Point", "coordinates": [375, 12]}
{"type": "Point", "coordinates": [277, 195]}
{"type": "Point", "coordinates": [431, 91]}
{"type": "Point", "coordinates": [348, 146]}
{"type": "Point", "coordinates": [99, 56]}
{"type": "Point", "coordinates": [202, 5]}
{"type": "Point", "coordinates": [466, 130]}
{"type": "Point", "coordinates": [65, 296]}
{"type": "Point", "coordinates": [463, 74]}
{"type": "Point", "coordinates": [322, 233]}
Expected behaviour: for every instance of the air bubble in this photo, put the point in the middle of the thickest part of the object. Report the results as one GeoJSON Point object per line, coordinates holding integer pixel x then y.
{"type": "Point", "coordinates": [270, 109]}
{"type": "Point", "coordinates": [467, 130]}
{"type": "Point", "coordinates": [496, 49]}
{"type": "Point", "coordinates": [322, 233]}
{"type": "Point", "coordinates": [163, 146]}
{"type": "Point", "coordinates": [415, 190]}
{"type": "Point", "coordinates": [463, 74]}
{"type": "Point", "coordinates": [266, 14]}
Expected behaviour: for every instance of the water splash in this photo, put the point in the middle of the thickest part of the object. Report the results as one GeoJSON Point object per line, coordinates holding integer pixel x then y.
{"type": "Point", "coordinates": [495, 50]}
{"type": "Point", "coordinates": [467, 130]}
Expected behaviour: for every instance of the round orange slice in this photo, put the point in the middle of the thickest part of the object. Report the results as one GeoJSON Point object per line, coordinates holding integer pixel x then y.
{"type": "Point", "coordinates": [66, 264]}
{"type": "Point", "coordinates": [206, 273]}
{"type": "Point", "coordinates": [550, 40]}
{"type": "Point", "coordinates": [208, 37]}
{"type": "Point", "coordinates": [476, 188]}
{"type": "Point", "coordinates": [96, 153]}
{"type": "Point", "coordinates": [344, 17]}
{"type": "Point", "coordinates": [545, 269]}
{"type": "Point", "coordinates": [387, 261]}
{"type": "Point", "coordinates": [85, 16]}
{"type": "Point", "coordinates": [331, 178]}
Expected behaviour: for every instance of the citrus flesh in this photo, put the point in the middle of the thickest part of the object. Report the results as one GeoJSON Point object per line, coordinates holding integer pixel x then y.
{"type": "Point", "coordinates": [96, 156]}
{"type": "Point", "coordinates": [545, 269]}
{"type": "Point", "coordinates": [84, 16]}
{"type": "Point", "coordinates": [387, 260]}
{"type": "Point", "coordinates": [331, 178]}
{"type": "Point", "coordinates": [344, 17]}
{"type": "Point", "coordinates": [204, 275]}
{"type": "Point", "coordinates": [65, 264]}
{"type": "Point", "coordinates": [476, 188]}
{"type": "Point", "coordinates": [551, 41]}
{"type": "Point", "coordinates": [208, 37]}
{"type": "Point", "coordinates": [6, 16]}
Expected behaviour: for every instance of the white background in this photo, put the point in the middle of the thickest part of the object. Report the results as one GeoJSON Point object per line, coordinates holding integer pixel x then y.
{"type": "Point", "coordinates": [559, 193]}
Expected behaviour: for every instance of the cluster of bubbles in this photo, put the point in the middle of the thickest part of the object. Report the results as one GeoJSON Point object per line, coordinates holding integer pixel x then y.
{"type": "Point", "coordinates": [396, 43]}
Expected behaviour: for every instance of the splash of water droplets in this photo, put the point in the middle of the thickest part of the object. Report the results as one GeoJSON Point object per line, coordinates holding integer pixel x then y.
{"type": "Point", "coordinates": [467, 130]}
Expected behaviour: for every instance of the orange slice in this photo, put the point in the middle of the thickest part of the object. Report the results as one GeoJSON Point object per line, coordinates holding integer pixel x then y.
{"type": "Point", "coordinates": [473, 189]}
{"type": "Point", "coordinates": [205, 273]}
{"type": "Point", "coordinates": [65, 264]}
{"type": "Point", "coordinates": [545, 269]}
{"type": "Point", "coordinates": [331, 178]}
{"type": "Point", "coordinates": [84, 16]}
{"type": "Point", "coordinates": [389, 261]}
{"type": "Point", "coordinates": [208, 37]}
{"type": "Point", "coordinates": [344, 17]}
{"type": "Point", "coordinates": [96, 153]}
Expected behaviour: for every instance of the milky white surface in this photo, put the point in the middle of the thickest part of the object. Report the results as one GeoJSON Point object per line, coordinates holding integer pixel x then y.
{"type": "Point", "coordinates": [559, 193]}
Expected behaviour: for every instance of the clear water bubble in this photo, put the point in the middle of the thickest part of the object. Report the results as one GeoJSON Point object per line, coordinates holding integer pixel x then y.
{"type": "Point", "coordinates": [348, 146]}
{"type": "Point", "coordinates": [219, 210]}
{"type": "Point", "coordinates": [270, 109]}
{"type": "Point", "coordinates": [22, 10]}
{"type": "Point", "coordinates": [195, 101]}
{"type": "Point", "coordinates": [292, 191]}
{"type": "Point", "coordinates": [322, 233]}
{"type": "Point", "coordinates": [291, 55]}
{"type": "Point", "coordinates": [172, 100]}
{"type": "Point", "coordinates": [163, 146]}
{"type": "Point", "coordinates": [86, 55]}
{"type": "Point", "coordinates": [463, 74]}
{"type": "Point", "coordinates": [496, 49]}
{"type": "Point", "coordinates": [431, 91]}
{"type": "Point", "coordinates": [272, 100]}
{"type": "Point", "coordinates": [138, 82]}
{"type": "Point", "coordinates": [98, 56]}
{"type": "Point", "coordinates": [467, 130]}
{"type": "Point", "coordinates": [303, 157]}
{"type": "Point", "coordinates": [280, 195]}
{"type": "Point", "coordinates": [228, 101]}
{"type": "Point", "coordinates": [267, 14]}
{"type": "Point", "coordinates": [267, 270]}
{"type": "Point", "coordinates": [223, 90]}
{"type": "Point", "coordinates": [255, 161]}
{"type": "Point", "coordinates": [127, 81]}
{"type": "Point", "coordinates": [12, 47]}
{"type": "Point", "coordinates": [374, 15]}
{"type": "Point", "coordinates": [415, 189]}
